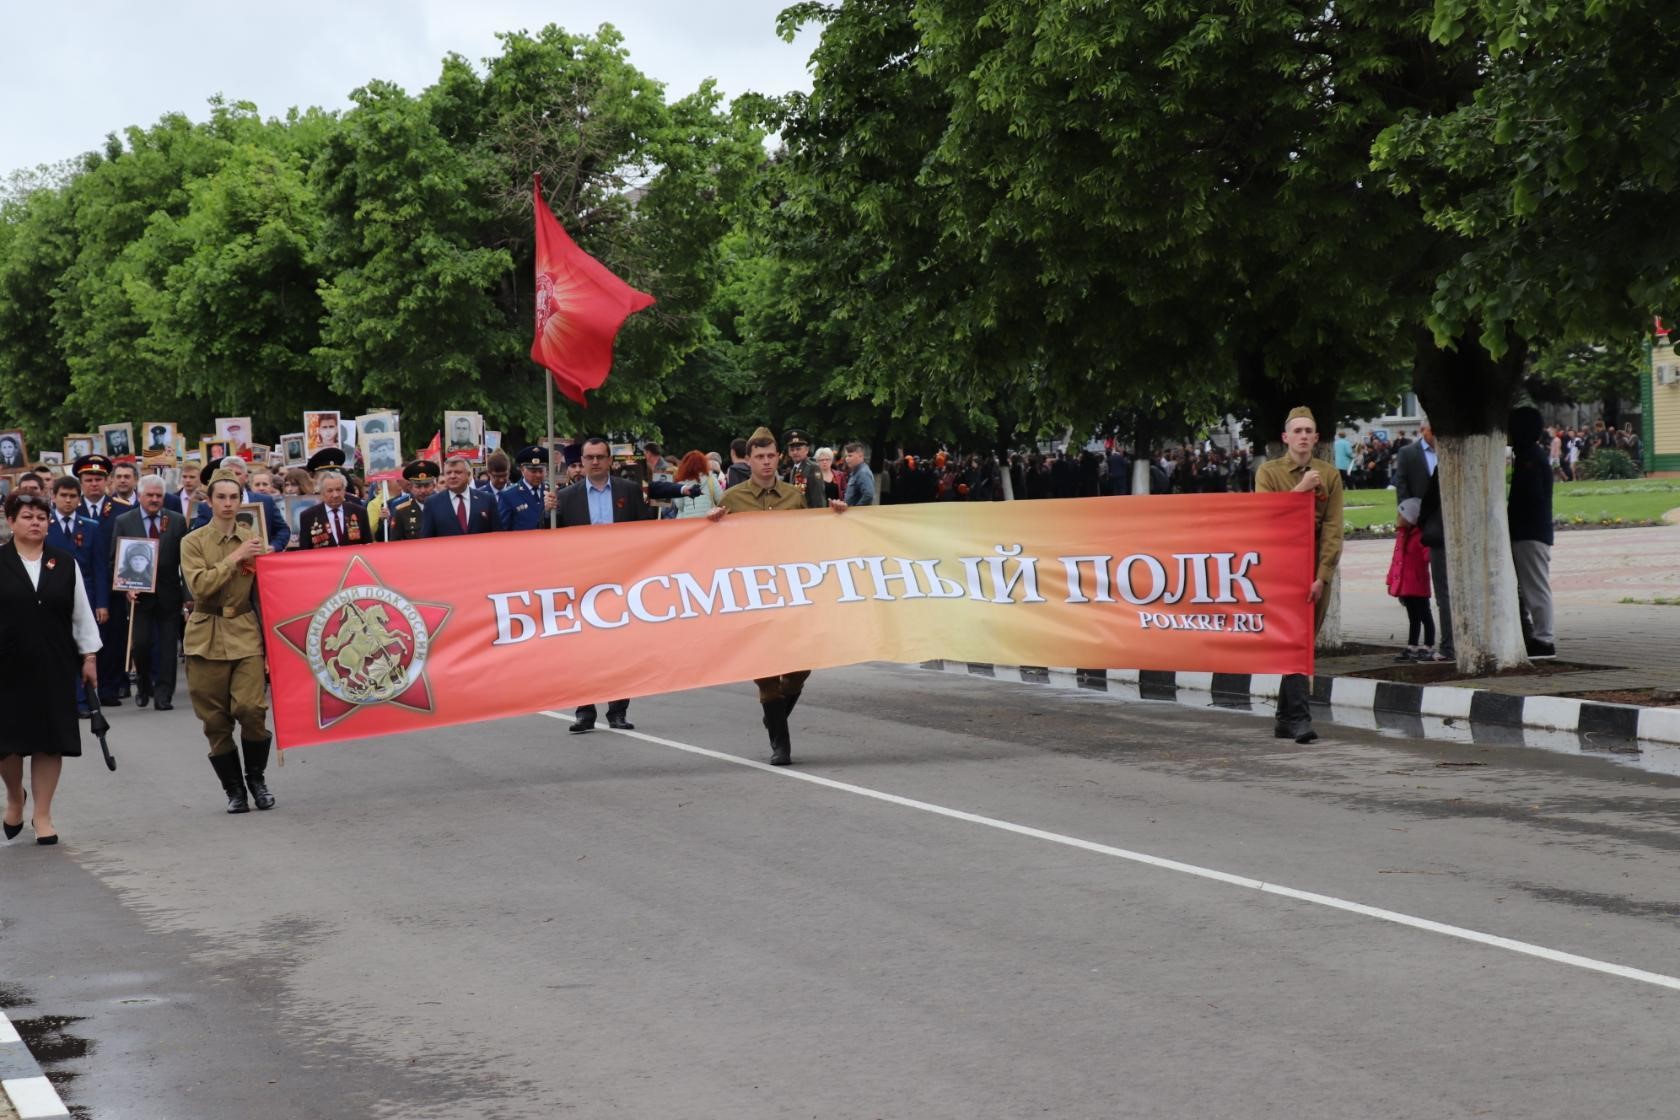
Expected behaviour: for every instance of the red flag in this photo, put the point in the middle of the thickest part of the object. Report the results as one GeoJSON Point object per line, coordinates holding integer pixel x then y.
{"type": "Point", "coordinates": [433, 449]}
{"type": "Point", "coordinates": [580, 307]}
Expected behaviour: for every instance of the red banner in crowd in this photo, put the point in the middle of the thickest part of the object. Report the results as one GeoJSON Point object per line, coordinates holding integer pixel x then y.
{"type": "Point", "coordinates": [421, 634]}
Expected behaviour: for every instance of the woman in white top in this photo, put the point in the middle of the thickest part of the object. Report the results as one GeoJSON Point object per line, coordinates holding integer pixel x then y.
{"type": "Point", "coordinates": [47, 637]}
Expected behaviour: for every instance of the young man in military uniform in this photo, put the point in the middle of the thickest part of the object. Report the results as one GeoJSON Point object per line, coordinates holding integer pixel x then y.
{"type": "Point", "coordinates": [1300, 471]}
{"type": "Point", "coordinates": [223, 644]}
{"type": "Point", "coordinates": [526, 503]}
{"type": "Point", "coordinates": [764, 491]}
{"type": "Point", "coordinates": [801, 471]}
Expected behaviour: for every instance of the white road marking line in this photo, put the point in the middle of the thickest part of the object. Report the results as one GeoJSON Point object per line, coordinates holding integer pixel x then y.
{"type": "Point", "coordinates": [1556, 956]}
{"type": "Point", "coordinates": [8, 1033]}
{"type": "Point", "coordinates": [34, 1098]}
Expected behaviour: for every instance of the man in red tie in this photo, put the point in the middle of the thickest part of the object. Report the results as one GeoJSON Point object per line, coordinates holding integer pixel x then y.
{"type": "Point", "coordinates": [458, 509]}
{"type": "Point", "coordinates": [335, 522]}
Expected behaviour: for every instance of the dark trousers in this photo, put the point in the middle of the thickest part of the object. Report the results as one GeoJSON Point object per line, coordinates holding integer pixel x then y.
{"type": "Point", "coordinates": [1419, 622]}
{"type": "Point", "coordinates": [157, 637]}
{"type": "Point", "coordinates": [618, 708]}
{"type": "Point", "coordinates": [1443, 599]}
{"type": "Point", "coordinates": [113, 651]}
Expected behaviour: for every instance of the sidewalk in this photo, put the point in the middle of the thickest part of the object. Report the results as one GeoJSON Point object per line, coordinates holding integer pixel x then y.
{"type": "Point", "coordinates": [1592, 570]}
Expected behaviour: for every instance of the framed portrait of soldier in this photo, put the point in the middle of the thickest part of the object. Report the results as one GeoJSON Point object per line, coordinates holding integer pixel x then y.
{"type": "Point", "coordinates": [78, 444]}
{"type": "Point", "coordinates": [14, 451]}
{"type": "Point", "coordinates": [296, 504]}
{"type": "Point", "coordinates": [381, 453]}
{"type": "Point", "coordinates": [463, 435]}
{"type": "Point", "coordinates": [157, 442]}
{"type": "Point", "coordinates": [259, 454]}
{"type": "Point", "coordinates": [320, 430]}
{"type": "Point", "coordinates": [54, 459]}
{"type": "Point", "coordinates": [214, 450]}
{"type": "Point", "coordinates": [237, 431]}
{"type": "Point", "coordinates": [136, 565]}
{"type": "Point", "coordinates": [376, 424]}
{"type": "Point", "coordinates": [254, 516]}
{"type": "Point", "coordinates": [117, 441]}
{"type": "Point", "coordinates": [291, 449]}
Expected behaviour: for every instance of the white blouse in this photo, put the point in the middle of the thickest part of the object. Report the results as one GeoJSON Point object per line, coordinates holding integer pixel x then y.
{"type": "Point", "coordinates": [82, 625]}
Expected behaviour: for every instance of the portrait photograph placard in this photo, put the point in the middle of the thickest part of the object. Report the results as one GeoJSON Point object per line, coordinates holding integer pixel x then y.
{"type": "Point", "coordinates": [136, 566]}
{"type": "Point", "coordinates": [254, 516]}
{"type": "Point", "coordinates": [296, 504]}
{"type": "Point", "coordinates": [320, 430]}
{"type": "Point", "coordinates": [236, 430]}
{"type": "Point", "coordinates": [492, 442]}
{"type": "Point", "coordinates": [463, 435]}
{"type": "Point", "coordinates": [381, 453]}
{"type": "Point", "coordinates": [213, 450]}
{"type": "Point", "coordinates": [78, 444]}
{"type": "Point", "coordinates": [14, 450]}
{"type": "Point", "coordinates": [377, 424]}
{"type": "Point", "coordinates": [117, 442]}
{"type": "Point", "coordinates": [157, 444]}
{"type": "Point", "coordinates": [52, 459]}
{"type": "Point", "coordinates": [291, 448]}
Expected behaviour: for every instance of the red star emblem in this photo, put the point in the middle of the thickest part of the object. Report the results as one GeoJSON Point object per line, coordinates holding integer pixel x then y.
{"type": "Point", "coordinates": [406, 641]}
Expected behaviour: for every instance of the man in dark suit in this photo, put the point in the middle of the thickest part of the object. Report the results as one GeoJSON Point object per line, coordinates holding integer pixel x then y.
{"type": "Point", "coordinates": [74, 531]}
{"type": "Point", "coordinates": [157, 616]}
{"type": "Point", "coordinates": [1416, 476]}
{"type": "Point", "coordinates": [601, 499]}
{"type": "Point", "coordinates": [278, 531]}
{"type": "Point", "coordinates": [335, 522]}
{"type": "Point", "coordinates": [93, 472]}
{"type": "Point", "coordinates": [458, 509]}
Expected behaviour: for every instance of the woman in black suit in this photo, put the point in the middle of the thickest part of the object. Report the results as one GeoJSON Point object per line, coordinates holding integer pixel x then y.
{"type": "Point", "coordinates": [47, 636]}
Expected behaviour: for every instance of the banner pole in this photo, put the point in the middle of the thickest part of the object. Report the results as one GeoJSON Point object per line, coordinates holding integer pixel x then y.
{"type": "Point", "coordinates": [553, 479]}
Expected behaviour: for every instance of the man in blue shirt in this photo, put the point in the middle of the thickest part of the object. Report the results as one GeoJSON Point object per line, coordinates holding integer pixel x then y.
{"type": "Point", "coordinates": [860, 480]}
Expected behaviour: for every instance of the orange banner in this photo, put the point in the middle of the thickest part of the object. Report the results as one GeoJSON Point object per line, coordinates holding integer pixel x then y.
{"type": "Point", "coordinates": [420, 634]}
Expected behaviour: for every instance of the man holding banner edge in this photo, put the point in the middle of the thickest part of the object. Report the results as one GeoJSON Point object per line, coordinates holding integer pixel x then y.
{"type": "Point", "coordinates": [765, 491]}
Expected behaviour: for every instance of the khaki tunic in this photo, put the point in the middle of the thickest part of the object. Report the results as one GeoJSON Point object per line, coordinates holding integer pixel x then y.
{"type": "Point", "coordinates": [748, 497]}
{"type": "Point", "coordinates": [221, 626]}
{"type": "Point", "coordinates": [1279, 476]}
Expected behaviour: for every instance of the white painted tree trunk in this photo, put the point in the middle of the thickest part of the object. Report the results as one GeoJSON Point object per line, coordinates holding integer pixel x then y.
{"type": "Point", "coordinates": [1481, 579]}
{"type": "Point", "coordinates": [1330, 634]}
{"type": "Point", "coordinates": [1006, 480]}
{"type": "Point", "coordinates": [1140, 475]}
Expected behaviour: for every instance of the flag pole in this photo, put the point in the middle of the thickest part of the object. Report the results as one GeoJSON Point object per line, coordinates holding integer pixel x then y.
{"type": "Point", "coordinates": [553, 485]}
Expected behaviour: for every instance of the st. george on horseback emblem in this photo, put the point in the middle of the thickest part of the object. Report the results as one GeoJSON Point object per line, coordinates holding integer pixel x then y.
{"type": "Point", "coordinates": [366, 645]}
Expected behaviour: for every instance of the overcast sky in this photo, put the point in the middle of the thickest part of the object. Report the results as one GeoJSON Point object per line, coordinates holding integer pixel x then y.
{"type": "Point", "coordinates": [73, 70]}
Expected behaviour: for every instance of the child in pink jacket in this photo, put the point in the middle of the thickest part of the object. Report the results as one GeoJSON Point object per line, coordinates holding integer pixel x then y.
{"type": "Point", "coordinates": [1408, 581]}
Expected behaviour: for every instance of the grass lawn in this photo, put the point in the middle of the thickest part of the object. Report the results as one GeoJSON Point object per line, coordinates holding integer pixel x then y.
{"type": "Point", "coordinates": [1586, 502]}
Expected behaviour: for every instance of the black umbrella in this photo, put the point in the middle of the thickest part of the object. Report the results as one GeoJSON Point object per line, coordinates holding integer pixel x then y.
{"type": "Point", "coordinates": [100, 726]}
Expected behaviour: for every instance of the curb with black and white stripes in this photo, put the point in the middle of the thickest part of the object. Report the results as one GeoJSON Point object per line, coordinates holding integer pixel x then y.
{"type": "Point", "coordinates": [1426, 711]}
{"type": "Point", "coordinates": [23, 1084]}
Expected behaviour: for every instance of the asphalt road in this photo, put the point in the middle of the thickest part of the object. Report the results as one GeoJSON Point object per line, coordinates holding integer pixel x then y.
{"type": "Point", "coordinates": [505, 920]}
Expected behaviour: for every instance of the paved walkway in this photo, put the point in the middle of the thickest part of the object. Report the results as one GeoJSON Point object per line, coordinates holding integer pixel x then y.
{"type": "Point", "coordinates": [1592, 571]}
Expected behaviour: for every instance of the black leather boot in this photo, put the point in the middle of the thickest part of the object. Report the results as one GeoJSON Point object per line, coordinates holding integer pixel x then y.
{"type": "Point", "coordinates": [1295, 704]}
{"type": "Point", "coordinates": [256, 763]}
{"type": "Point", "coordinates": [776, 723]}
{"type": "Point", "coordinates": [233, 781]}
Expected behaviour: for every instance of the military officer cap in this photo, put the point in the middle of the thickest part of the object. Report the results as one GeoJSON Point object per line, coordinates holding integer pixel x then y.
{"type": "Point", "coordinates": [159, 431]}
{"type": "Point", "coordinates": [1298, 413]}
{"type": "Point", "coordinates": [421, 471]}
{"type": "Point", "coordinates": [326, 457]}
{"type": "Point", "coordinates": [796, 437]}
{"type": "Point", "coordinates": [91, 464]}
{"type": "Point", "coordinates": [532, 456]}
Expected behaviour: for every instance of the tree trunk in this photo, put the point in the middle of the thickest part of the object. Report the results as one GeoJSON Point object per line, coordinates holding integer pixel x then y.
{"type": "Point", "coordinates": [1468, 394]}
{"type": "Point", "coordinates": [1330, 634]}
{"type": "Point", "coordinates": [1140, 476]}
{"type": "Point", "coordinates": [1481, 577]}
{"type": "Point", "coordinates": [1006, 481]}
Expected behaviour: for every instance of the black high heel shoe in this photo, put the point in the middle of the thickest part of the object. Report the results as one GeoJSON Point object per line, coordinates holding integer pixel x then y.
{"type": "Point", "coordinates": [44, 841]}
{"type": "Point", "coordinates": [13, 829]}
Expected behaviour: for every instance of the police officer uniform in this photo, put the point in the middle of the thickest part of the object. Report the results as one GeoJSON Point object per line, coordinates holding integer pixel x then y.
{"type": "Point", "coordinates": [521, 505]}
{"type": "Point", "coordinates": [223, 646]}
{"type": "Point", "coordinates": [81, 537]}
{"type": "Point", "coordinates": [405, 510]}
{"type": "Point", "coordinates": [113, 632]}
{"type": "Point", "coordinates": [807, 475]}
{"type": "Point", "coordinates": [1279, 476]}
